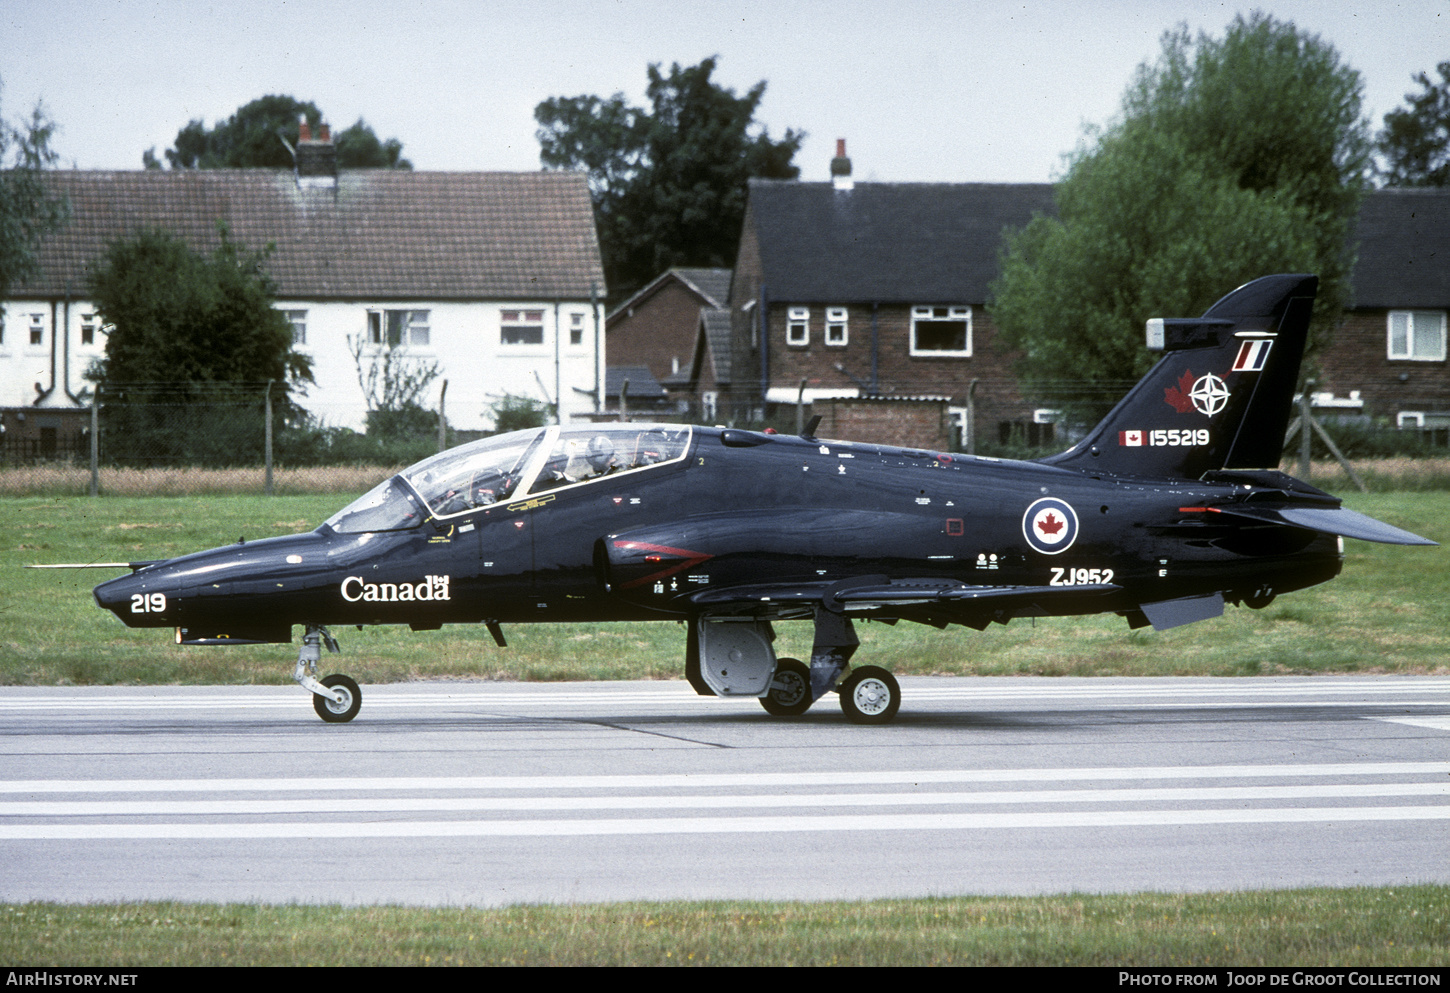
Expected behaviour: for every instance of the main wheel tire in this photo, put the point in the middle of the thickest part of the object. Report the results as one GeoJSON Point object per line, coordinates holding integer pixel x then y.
{"type": "Point", "coordinates": [790, 689]}
{"type": "Point", "coordinates": [870, 695]}
{"type": "Point", "coordinates": [338, 713]}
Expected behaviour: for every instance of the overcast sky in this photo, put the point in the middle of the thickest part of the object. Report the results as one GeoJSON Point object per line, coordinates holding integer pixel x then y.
{"type": "Point", "coordinates": [923, 90]}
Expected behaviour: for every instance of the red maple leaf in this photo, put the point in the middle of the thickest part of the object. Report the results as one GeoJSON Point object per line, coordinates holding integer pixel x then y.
{"type": "Point", "coordinates": [1177, 397]}
{"type": "Point", "coordinates": [1049, 525]}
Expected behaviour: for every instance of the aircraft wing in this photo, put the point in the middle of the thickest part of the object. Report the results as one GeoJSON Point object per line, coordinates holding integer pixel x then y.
{"type": "Point", "coordinates": [917, 599]}
{"type": "Point", "coordinates": [1329, 520]}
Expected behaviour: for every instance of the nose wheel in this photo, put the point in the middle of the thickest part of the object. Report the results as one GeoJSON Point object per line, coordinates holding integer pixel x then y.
{"type": "Point", "coordinates": [338, 711]}
{"type": "Point", "coordinates": [870, 695]}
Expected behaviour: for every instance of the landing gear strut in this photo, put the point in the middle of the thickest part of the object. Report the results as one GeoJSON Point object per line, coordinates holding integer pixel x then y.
{"type": "Point", "coordinates": [336, 698]}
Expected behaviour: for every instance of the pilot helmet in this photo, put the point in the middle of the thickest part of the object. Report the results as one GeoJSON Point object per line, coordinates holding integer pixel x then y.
{"type": "Point", "coordinates": [599, 452]}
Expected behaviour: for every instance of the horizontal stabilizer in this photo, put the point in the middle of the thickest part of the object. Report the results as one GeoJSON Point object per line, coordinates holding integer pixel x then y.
{"type": "Point", "coordinates": [1329, 520]}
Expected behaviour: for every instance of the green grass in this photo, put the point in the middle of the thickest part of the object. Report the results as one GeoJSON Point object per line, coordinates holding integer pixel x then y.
{"type": "Point", "coordinates": [1387, 613]}
{"type": "Point", "coordinates": [1393, 926]}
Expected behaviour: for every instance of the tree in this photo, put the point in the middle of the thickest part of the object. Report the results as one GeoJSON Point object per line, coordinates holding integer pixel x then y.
{"type": "Point", "coordinates": [358, 147]}
{"type": "Point", "coordinates": [254, 136]}
{"type": "Point", "coordinates": [393, 383]}
{"type": "Point", "coordinates": [1415, 142]}
{"type": "Point", "coordinates": [193, 340]}
{"type": "Point", "coordinates": [28, 212]}
{"type": "Point", "coordinates": [1233, 158]}
{"type": "Point", "coordinates": [669, 183]}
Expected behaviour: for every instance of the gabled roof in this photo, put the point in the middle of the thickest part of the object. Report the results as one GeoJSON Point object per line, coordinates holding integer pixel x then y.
{"type": "Point", "coordinates": [382, 234]}
{"type": "Point", "coordinates": [715, 340]}
{"type": "Point", "coordinates": [712, 286]}
{"type": "Point", "coordinates": [1404, 249]}
{"type": "Point", "coordinates": [887, 242]}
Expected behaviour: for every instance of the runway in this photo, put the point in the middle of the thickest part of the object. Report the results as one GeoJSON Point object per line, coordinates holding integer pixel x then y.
{"type": "Point", "coordinates": [498, 793]}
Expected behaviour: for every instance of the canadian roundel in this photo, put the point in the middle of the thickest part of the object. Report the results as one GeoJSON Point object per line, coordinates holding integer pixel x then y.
{"type": "Point", "coordinates": [1050, 525]}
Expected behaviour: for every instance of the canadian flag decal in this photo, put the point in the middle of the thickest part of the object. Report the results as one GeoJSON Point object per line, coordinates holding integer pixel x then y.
{"type": "Point", "coordinates": [1130, 439]}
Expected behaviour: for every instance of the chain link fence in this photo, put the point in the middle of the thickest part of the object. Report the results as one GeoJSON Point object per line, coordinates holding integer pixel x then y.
{"type": "Point", "coordinates": [188, 439]}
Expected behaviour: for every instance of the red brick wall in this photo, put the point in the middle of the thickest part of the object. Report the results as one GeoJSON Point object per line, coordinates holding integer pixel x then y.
{"type": "Point", "coordinates": [1358, 359]}
{"type": "Point", "coordinates": [661, 328]}
{"type": "Point", "coordinates": [906, 423]}
{"type": "Point", "coordinates": [899, 372]}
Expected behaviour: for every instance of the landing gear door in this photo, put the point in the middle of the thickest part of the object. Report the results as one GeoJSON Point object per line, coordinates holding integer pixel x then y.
{"type": "Point", "coordinates": [737, 655]}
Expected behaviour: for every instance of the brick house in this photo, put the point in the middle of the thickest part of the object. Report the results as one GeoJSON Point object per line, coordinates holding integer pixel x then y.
{"type": "Point", "coordinates": [493, 276]}
{"type": "Point", "coordinates": [863, 290]}
{"type": "Point", "coordinates": [659, 326]}
{"type": "Point", "coordinates": [1387, 360]}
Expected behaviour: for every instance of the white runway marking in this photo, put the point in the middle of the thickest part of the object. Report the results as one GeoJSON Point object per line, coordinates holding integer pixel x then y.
{"type": "Point", "coordinates": [854, 777]}
{"type": "Point", "coordinates": [309, 805]}
{"type": "Point", "coordinates": [1309, 691]}
{"type": "Point", "coordinates": [717, 825]}
{"type": "Point", "coordinates": [1441, 723]}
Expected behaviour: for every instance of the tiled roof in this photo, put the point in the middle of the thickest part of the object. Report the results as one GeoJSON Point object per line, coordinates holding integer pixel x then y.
{"type": "Point", "coordinates": [642, 383]}
{"type": "Point", "coordinates": [887, 242]}
{"type": "Point", "coordinates": [1404, 249]}
{"type": "Point", "coordinates": [718, 339]}
{"type": "Point", "coordinates": [713, 284]}
{"type": "Point", "coordinates": [382, 234]}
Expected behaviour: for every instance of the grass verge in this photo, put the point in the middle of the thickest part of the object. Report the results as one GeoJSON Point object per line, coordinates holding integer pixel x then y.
{"type": "Point", "coordinates": [1385, 614]}
{"type": "Point", "coordinates": [1392, 926]}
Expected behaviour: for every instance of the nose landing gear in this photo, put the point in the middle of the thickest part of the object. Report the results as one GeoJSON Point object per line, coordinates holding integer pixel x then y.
{"type": "Point", "coordinates": [336, 698]}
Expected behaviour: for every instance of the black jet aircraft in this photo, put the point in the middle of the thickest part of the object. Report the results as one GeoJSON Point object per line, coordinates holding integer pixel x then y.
{"type": "Point", "coordinates": [1166, 511]}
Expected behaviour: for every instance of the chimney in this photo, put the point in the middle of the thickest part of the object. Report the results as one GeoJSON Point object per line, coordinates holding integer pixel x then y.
{"type": "Point", "coordinates": [841, 169]}
{"type": "Point", "coordinates": [316, 158]}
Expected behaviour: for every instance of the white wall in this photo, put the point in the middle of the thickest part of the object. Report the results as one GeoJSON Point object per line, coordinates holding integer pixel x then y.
{"type": "Point", "coordinates": [22, 364]}
{"type": "Point", "coordinates": [464, 339]}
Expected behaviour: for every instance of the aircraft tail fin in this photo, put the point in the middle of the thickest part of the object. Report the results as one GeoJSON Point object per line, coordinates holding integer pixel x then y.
{"type": "Point", "coordinates": [1221, 396]}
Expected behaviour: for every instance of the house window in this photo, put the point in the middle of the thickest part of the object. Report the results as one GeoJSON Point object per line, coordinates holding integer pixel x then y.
{"type": "Point", "coordinates": [522, 327]}
{"type": "Point", "coordinates": [298, 320]}
{"type": "Point", "coordinates": [1417, 335]}
{"type": "Point", "coordinates": [37, 329]}
{"type": "Point", "coordinates": [576, 329]}
{"type": "Point", "coordinates": [798, 326]}
{"type": "Point", "coordinates": [88, 329]}
{"type": "Point", "coordinates": [941, 331]}
{"type": "Point", "coordinates": [397, 328]}
{"type": "Point", "coordinates": [836, 332]}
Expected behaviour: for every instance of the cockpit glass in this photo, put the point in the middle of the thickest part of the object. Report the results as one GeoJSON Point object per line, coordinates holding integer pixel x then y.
{"type": "Point", "coordinates": [477, 474]}
{"type": "Point", "coordinates": [389, 506]}
{"type": "Point", "coordinates": [579, 455]}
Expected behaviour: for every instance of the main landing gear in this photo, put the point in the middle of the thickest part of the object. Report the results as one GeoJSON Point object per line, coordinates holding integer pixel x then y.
{"type": "Point", "coordinates": [869, 695]}
{"type": "Point", "coordinates": [336, 698]}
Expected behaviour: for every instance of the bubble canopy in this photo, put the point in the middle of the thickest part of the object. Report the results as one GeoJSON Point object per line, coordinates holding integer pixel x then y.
{"type": "Point", "coordinates": [508, 467]}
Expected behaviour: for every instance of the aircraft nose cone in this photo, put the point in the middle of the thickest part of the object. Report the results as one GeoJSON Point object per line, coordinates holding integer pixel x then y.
{"type": "Point", "coordinates": [143, 599]}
